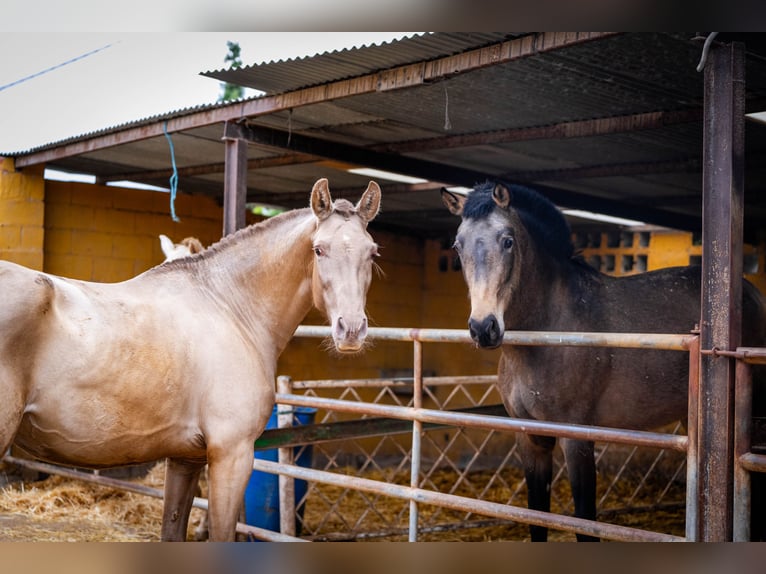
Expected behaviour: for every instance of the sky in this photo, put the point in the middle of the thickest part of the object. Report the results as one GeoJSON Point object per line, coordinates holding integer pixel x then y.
{"type": "Point", "coordinates": [61, 85]}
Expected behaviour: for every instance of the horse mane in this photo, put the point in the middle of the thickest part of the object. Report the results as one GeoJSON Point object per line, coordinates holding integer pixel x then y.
{"type": "Point", "coordinates": [541, 218]}
{"type": "Point", "coordinates": [237, 237]}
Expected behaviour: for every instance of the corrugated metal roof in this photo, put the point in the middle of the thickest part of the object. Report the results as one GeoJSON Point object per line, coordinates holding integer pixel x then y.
{"type": "Point", "coordinates": [609, 121]}
{"type": "Point", "coordinates": [285, 75]}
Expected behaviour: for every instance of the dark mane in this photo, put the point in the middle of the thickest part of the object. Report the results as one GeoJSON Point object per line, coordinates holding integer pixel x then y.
{"type": "Point", "coordinates": [544, 222]}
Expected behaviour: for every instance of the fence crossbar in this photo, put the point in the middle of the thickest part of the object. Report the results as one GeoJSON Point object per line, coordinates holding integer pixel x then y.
{"type": "Point", "coordinates": [669, 342]}
{"type": "Point", "coordinates": [493, 422]}
{"type": "Point", "coordinates": [483, 507]}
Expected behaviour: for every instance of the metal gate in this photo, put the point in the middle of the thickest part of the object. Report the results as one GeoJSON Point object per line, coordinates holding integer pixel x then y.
{"type": "Point", "coordinates": [448, 511]}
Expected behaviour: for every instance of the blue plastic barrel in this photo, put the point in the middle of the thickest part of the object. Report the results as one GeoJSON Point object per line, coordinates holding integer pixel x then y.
{"type": "Point", "coordinates": [262, 493]}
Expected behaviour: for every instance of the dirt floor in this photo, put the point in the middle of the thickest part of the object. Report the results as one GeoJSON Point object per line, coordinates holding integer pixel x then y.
{"type": "Point", "coordinates": [60, 509]}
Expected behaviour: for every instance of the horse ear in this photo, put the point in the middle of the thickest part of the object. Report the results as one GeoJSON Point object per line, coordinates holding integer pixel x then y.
{"type": "Point", "coordinates": [194, 245]}
{"type": "Point", "coordinates": [453, 201]}
{"type": "Point", "coordinates": [321, 200]}
{"type": "Point", "coordinates": [166, 244]}
{"type": "Point", "coordinates": [369, 205]}
{"type": "Point", "coordinates": [502, 196]}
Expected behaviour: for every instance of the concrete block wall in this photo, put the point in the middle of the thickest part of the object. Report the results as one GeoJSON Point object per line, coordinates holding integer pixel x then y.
{"type": "Point", "coordinates": [22, 214]}
{"type": "Point", "coordinates": [108, 234]}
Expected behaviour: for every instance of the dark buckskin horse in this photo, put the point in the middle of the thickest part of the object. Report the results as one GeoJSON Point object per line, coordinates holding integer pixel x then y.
{"type": "Point", "coordinates": [523, 273]}
{"type": "Point", "coordinates": [179, 362]}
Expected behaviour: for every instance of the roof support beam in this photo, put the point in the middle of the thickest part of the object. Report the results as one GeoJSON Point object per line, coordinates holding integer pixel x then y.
{"type": "Point", "coordinates": [451, 175]}
{"type": "Point", "coordinates": [235, 184]}
{"type": "Point", "coordinates": [574, 129]}
{"type": "Point", "coordinates": [721, 321]}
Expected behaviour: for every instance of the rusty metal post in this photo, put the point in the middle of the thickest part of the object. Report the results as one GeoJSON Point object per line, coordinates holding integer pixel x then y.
{"type": "Point", "coordinates": [692, 509]}
{"type": "Point", "coordinates": [235, 180]}
{"type": "Point", "coordinates": [417, 431]}
{"type": "Point", "coordinates": [720, 326]}
{"type": "Point", "coordinates": [285, 456]}
{"type": "Point", "coordinates": [743, 424]}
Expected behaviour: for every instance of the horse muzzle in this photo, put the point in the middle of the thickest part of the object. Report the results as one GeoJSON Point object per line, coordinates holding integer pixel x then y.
{"type": "Point", "coordinates": [487, 333]}
{"type": "Point", "coordinates": [349, 335]}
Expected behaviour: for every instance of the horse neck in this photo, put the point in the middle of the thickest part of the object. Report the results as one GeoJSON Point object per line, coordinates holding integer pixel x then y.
{"type": "Point", "coordinates": [549, 298]}
{"type": "Point", "coordinates": [263, 273]}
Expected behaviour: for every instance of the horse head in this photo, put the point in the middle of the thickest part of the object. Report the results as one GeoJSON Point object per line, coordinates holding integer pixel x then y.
{"type": "Point", "coordinates": [485, 244]}
{"type": "Point", "coordinates": [343, 261]}
{"type": "Point", "coordinates": [501, 227]}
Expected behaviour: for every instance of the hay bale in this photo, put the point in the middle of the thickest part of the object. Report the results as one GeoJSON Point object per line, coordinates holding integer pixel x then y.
{"type": "Point", "coordinates": [63, 509]}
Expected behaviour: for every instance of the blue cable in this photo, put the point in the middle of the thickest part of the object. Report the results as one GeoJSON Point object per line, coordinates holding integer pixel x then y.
{"type": "Point", "coordinates": [174, 177]}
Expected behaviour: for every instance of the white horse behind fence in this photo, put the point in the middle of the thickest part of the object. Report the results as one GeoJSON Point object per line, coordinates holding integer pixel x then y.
{"type": "Point", "coordinates": [187, 246]}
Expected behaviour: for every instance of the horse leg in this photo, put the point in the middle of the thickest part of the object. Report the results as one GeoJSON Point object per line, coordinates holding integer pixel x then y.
{"type": "Point", "coordinates": [581, 465]}
{"type": "Point", "coordinates": [201, 533]}
{"type": "Point", "coordinates": [11, 408]}
{"type": "Point", "coordinates": [537, 457]}
{"type": "Point", "coordinates": [181, 478]}
{"type": "Point", "coordinates": [229, 470]}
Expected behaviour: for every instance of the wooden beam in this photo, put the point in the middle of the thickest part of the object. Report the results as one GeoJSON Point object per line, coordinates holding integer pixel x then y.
{"type": "Point", "coordinates": [574, 129]}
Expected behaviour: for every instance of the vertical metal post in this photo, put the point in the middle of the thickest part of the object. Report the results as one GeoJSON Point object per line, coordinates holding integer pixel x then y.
{"type": "Point", "coordinates": [235, 182]}
{"type": "Point", "coordinates": [285, 456]}
{"type": "Point", "coordinates": [720, 327]}
{"type": "Point", "coordinates": [417, 428]}
{"type": "Point", "coordinates": [692, 507]}
{"type": "Point", "coordinates": [743, 424]}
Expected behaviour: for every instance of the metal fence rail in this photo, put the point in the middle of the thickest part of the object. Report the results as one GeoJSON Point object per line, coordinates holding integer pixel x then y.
{"type": "Point", "coordinates": [418, 416]}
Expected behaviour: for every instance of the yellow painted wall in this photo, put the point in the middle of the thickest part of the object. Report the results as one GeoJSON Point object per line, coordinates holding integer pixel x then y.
{"type": "Point", "coordinates": [632, 252]}
{"type": "Point", "coordinates": [22, 212]}
{"type": "Point", "coordinates": [107, 234]}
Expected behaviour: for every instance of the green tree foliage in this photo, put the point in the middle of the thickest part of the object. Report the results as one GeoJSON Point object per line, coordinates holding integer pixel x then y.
{"type": "Point", "coordinates": [232, 91]}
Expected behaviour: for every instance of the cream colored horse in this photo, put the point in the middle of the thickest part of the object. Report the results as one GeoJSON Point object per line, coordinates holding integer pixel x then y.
{"type": "Point", "coordinates": [99, 375]}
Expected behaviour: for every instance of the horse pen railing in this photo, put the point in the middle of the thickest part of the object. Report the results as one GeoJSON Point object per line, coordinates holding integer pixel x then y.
{"type": "Point", "coordinates": [418, 416]}
{"type": "Point", "coordinates": [418, 419]}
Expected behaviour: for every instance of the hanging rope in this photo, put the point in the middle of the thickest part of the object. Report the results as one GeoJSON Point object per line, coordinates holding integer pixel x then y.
{"type": "Point", "coordinates": [174, 177]}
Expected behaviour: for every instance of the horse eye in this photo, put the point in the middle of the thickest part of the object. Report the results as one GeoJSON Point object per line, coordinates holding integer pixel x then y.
{"type": "Point", "coordinates": [507, 242]}
{"type": "Point", "coordinates": [318, 251]}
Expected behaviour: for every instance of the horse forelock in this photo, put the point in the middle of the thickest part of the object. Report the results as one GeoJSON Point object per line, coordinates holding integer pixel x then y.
{"type": "Point", "coordinates": [343, 207]}
{"type": "Point", "coordinates": [541, 218]}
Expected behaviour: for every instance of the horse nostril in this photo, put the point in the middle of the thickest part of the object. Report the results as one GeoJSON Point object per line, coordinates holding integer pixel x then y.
{"type": "Point", "coordinates": [486, 332]}
{"type": "Point", "coordinates": [340, 328]}
{"type": "Point", "coordinates": [493, 328]}
{"type": "Point", "coordinates": [473, 329]}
